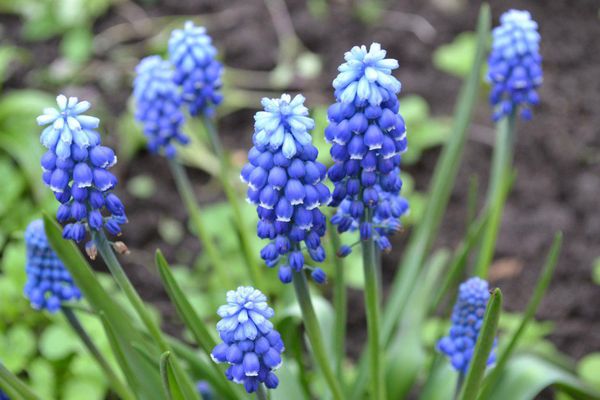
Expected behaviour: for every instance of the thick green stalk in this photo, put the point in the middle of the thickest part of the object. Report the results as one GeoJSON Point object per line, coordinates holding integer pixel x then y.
{"type": "Point", "coordinates": [234, 202]}
{"type": "Point", "coordinates": [261, 393]}
{"type": "Point", "coordinates": [184, 187]}
{"type": "Point", "coordinates": [339, 304]}
{"type": "Point", "coordinates": [372, 306]}
{"type": "Point", "coordinates": [119, 387]}
{"type": "Point", "coordinates": [313, 330]}
{"type": "Point", "coordinates": [499, 174]}
{"type": "Point", "coordinates": [116, 270]}
{"type": "Point", "coordinates": [459, 384]}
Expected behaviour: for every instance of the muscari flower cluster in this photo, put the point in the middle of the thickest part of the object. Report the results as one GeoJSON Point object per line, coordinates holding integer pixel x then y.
{"type": "Point", "coordinates": [467, 319]}
{"type": "Point", "coordinates": [76, 168]}
{"type": "Point", "coordinates": [515, 70]}
{"type": "Point", "coordinates": [250, 344]}
{"type": "Point", "coordinates": [3, 396]}
{"type": "Point", "coordinates": [285, 182]}
{"type": "Point", "coordinates": [49, 283]}
{"type": "Point", "coordinates": [158, 105]}
{"type": "Point", "coordinates": [196, 70]}
{"type": "Point", "coordinates": [367, 136]}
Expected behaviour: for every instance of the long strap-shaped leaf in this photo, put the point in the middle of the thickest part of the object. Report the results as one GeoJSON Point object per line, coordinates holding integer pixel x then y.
{"type": "Point", "coordinates": [169, 379]}
{"type": "Point", "coordinates": [13, 386]}
{"type": "Point", "coordinates": [484, 345]}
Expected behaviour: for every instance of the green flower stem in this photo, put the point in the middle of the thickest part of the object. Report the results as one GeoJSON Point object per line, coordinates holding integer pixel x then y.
{"type": "Point", "coordinates": [313, 331]}
{"type": "Point", "coordinates": [339, 303]}
{"type": "Point", "coordinates": [459, 384]}
{"type": "Point", "coordinates": [115, 268]}
{"type": "Point", "coordinates": [119, 387]}
{"type": "Point", "coordinates": [234, 202]}
{"type": "Point", "coordinates": [261, 393]}
{"type": "Point", "coordinates": [372, 306]}
{"type": "Point", "coordinates": [500, 173]}
{"type": "Point", "coordinates": [186, 192]}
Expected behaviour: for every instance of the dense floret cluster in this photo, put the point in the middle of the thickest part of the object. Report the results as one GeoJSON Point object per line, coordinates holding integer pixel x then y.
{"type": "Point", "coordinates": [250, 344]}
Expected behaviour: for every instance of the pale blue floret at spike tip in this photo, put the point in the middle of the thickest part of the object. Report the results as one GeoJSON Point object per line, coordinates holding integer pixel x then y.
{"type": "Point", "coordinates": [515, 70]}
{"type": "Point", "coordinates": [49, 283]}
{"type": "Point", "coordinates": [196, 70]}
{"type": "Point", "coordinates": [467, 319]}
{"type": "Point", "coordinates": [76, 168]}
{"type": "Point", "coordinates": [285, 182]}
{"type": "Point", "coordinates": [249, 344]}
{"type": "Point", "coordinates": [158, 104]}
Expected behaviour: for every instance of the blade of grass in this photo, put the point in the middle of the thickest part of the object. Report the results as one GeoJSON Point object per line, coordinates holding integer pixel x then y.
{"type": "Point", "coordinates": [484, 345]}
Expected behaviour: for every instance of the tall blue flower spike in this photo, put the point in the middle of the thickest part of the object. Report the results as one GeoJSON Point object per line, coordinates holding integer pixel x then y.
{"type": "Point", "coordinates": [515, 65]}
{"type": "Point", "coordinates": [367, 136]}
{"type": "Point", "coordinates": [285, 182]}
{"type": "Point", "coordinates": [158, 105]}
{"type": "Point", "coordinates": [467, 318]}
{"type": "Point", "coordinates": [76, 168]}
{"type": "Point", "coordinates": [196, 69]}
{"type": "Point", "coordinates": [250, 344]}
{"type": "Point", "coordinates": [49, 283]}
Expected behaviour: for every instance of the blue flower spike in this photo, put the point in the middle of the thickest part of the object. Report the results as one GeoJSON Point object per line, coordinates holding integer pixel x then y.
{"type": "Point", "coordinates": [467, 319]}
{"type": "Point", "coordinates": [158, 105]}
{"type": "Point", "coordinates": [3, 396]}
{"type": "Point", "coordinates": [196, 69]}
{"type": "Point", "coordinates": [515, 70]}
{"type": "Point", "coordinates": [250, 344]}
{"type": "Point", "coordinates": [285, 183]}
{"type": "Point", "coordinates": [49, 283]}
{"type": "Point", "coordinates": [367, 136]}
{"type": "Point", "coordinates": [76, 168]}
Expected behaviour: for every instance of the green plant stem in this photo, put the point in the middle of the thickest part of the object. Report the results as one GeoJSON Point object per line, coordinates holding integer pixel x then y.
{"type": "Point", "coordinates": [261, 393]}
{"type": "Point", "coordinates": [116, 270]}
{"type": "Point", "coordinates": [501, 170]}
{"type": "Point", "coordinates": [119, 387]}
{"type": "Point", "coordinates": [313, 331]}
{"type": "Point", "coordinates": [14, 387]}
{"type": "Point", "coordinates": [339, 304]}
{"type": "Point", "coordinates": [459, 383]}
{"type": "Point", "coordinates": [233, 199]}
{"type": "Point", "coordinates": [184, 187]}
{"type": "Point", "coordinates": [372, 307]}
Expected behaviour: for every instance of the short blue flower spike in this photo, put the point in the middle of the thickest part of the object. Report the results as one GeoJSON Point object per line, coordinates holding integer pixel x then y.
{"type": "Point", "coordinates": [285, 183]}
{"type": "Point", "coordinates": [467, 319]}
{"type": "Point", "coordinates": [515, 69]}
{"type": "Point", "coordinates": [49, 283]}
{"type": "Point", "coordinates": [76, 168]}
{"type": "Point", "coordinates": [250, 344]}
{"type": "Point", "coordinates": [158, 103]}
{"type": "Point", "coordinates": [196, 70]}
{"type": "Point", "coordinates": [367, 136]}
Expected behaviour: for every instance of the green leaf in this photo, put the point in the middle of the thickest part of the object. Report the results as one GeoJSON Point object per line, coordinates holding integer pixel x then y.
{"type": "Point", "coordinates": [483, 347]}
{"type": "Point", "coordinates": [289, 388]}
{"type": "Point", "coordinates": [77, 45]}
{"type": "Point", "coordinates": [74, 388]}
{"type": "Point", "coordinates": [169, 380]}
{"type": "Point", "coordinates": [58, 342]}
{"type": "Point", "coordinates": [142, 186]}
{"type": "Point", "coordinates": [17, 345]}
{"type": "Point", "coordinates": [42, 378]}
{"type": "Point", "coordinates": [14, 387]}
{"type": "Point", "coordinates": [588, 368]}
{"type": "Point", "coordinates": [596, 271]}
{"type": "Point", "coordinates": [456, 58]}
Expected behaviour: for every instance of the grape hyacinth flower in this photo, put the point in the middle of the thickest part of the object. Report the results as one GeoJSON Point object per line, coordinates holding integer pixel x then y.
{"type": "Point", "coordinates": [3, 396]}
{"type": "Point", "coordinates": [467, 318]}
{"type": "Point", "coordinates": [158, 103]}
{"type": "Point", "coordinates": [367, 136]}
{"type": "Point", "coordinates": [196, 70]}
{"type": "Point", "coordinates": [250, 344]}
{"type": "Point", "coordinates": [76, 168]}
{"type": "Point", "coordinates": [49, 283]}
{"type": "Point", "coordinates": [285, 182]}
{"type": "Point", "coordinates": [204, 389]}
{"type": "Point", "coordinates": [515, 69]}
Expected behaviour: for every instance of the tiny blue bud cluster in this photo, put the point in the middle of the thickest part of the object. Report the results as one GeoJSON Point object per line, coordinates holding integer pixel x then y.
{"type": "Point", "coordinates": [49, 283]}
{"type": "Point", "coordinates": [367, 136]}
{"type": "Point", "coordinates": [76, 168]}
{"type": "Point", "coordinates": [204, 389]}
{"type": "Point", "coordinates": [196, 70]}
{"type": "Point", "coordinates": [250, 344]}
{"type": "Point", "coordinates": [467, 319]}
{"type": "Point", "coordinates": [285, 182]}
{"type": "Point", "coordinates": [158, 105]}
{"type": "Point", "coordinates": [515, 69]}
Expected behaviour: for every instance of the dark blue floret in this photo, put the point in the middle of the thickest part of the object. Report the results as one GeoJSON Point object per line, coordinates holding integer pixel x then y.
{"type": "Point", "coordinates": [467, 319]}
{"type": "Point", "coordinates": [76, 168]}
{"type": "Point", "coordinates": [49, 283]}
{"type": "Point", "coordinates": [250, 344]}
{"type": "Point", "coordinates": [285, 183]}
{"type": "Point", "coordinates": [515, 69]}
{"type": "Point", "coordinates": [196, 70]}
{"type": "Point", "coordinates": [158, 103]}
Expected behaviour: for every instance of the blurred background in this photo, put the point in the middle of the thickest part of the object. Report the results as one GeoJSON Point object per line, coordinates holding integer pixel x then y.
{"type": "Point", "coordinates": [89, 49]}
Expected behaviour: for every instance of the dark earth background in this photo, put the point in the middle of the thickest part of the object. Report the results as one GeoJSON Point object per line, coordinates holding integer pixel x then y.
{"type": "Point", "coordinates": [557, 154]}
